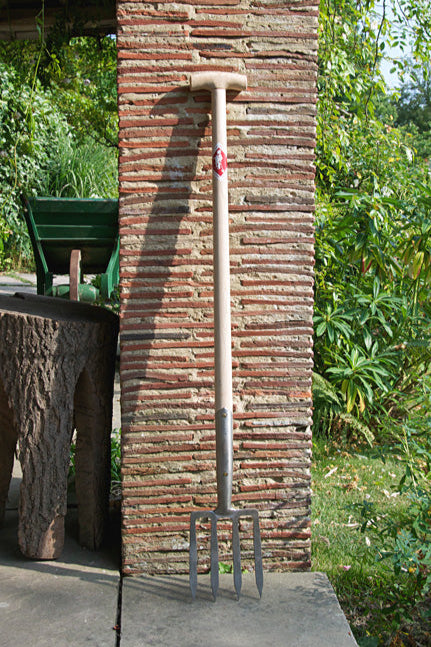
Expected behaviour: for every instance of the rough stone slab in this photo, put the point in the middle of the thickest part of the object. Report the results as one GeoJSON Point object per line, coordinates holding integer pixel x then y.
{"type": "Point", "coordinates": [296, 610]}
{"type": "Point", "coordinates": [72, 601]}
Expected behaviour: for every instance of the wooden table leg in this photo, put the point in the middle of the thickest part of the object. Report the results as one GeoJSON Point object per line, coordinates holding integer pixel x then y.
{"type": "Point", "coordinates": [74, 274]}
{"type": "Point", "coordinates": [8, 439]}
{"type": "Point", "coordinates": [44, 458]}
{"type": "Point", "coordinates": [93, 420]}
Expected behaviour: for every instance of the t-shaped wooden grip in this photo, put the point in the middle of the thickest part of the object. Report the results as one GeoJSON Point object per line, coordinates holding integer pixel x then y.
{"type": "Point", "coordinates": [217, 81]}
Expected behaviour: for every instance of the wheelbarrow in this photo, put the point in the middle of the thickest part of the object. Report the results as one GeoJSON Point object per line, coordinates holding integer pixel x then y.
{"type": "Point", "coordinates": [74, 236]}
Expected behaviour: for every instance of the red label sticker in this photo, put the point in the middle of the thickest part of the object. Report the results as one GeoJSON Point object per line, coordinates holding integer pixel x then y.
{"type": "Point", "coordinates": [219, 162]}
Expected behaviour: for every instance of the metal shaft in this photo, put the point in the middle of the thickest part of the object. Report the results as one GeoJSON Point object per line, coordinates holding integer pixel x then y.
{"type": "Point", "coordinates": [224, 461]}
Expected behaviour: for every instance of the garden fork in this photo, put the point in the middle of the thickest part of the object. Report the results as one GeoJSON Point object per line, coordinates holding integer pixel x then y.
{"type": "Point", "coordinates": [217, 83]}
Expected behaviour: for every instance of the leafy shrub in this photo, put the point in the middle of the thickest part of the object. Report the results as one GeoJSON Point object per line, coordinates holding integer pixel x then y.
{"type": "Point", "coordinates": [30, 133]}
{"type": "Point", "coordinates": [330, 414]}
{"type": "Point", "coordinates": [57, 138]}
{"type": "Point", "coordinates": [81, 73]}
{"type": "Point", "coordinates": [373, 260]}
{"type": "Point", "coordinates": [372, 314]}
{"type": "Point", "coordinates": [403, 541]}
{"type": "Point", "coordinates": [373, 237]}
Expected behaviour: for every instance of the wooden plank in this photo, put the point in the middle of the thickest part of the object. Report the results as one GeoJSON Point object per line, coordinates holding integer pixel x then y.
{"type": "Point", "coordinates": [106, 235]}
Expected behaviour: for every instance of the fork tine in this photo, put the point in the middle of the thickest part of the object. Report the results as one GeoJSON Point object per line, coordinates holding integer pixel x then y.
{"type": "Point", "coordinates": [258, 568]}
{"type": "Point", "coordinates": [193, 556]}
{"type": "Point", "coordinates": [236, 549]}
{"type": "Point", "coordinates": [214, 556]}
{"type": "Point", "coordinates": [234, 515]}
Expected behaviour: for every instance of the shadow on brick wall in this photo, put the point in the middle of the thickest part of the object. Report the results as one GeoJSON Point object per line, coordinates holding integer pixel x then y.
{"type": "Point", "coordinates": [161, 289]}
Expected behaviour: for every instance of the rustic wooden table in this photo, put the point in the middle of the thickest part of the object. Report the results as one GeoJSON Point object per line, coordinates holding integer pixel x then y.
{"type": "Point", "coordinates": [57, 363]}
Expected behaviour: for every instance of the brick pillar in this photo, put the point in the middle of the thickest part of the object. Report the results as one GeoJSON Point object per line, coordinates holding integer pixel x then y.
{"type": "Point", "coordinates": [166, 273]}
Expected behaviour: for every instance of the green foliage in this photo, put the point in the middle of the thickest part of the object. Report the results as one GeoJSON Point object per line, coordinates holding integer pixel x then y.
{"type": "Point", "coordinates": [326, 403]}
{"type": "Point", "coordinates": [411, 107]}
{"type": "Point", "coordinates": [346, 479]}
{"type": "Point", "coordinates": [414, 102]}
{"type": "Point", "coordinates": [224, 568]}
{"type": "Point", "coordinates": [372, 324]}
{"type": "Point", "coordinates": [411, 31]}
{"type": "Point", "coordinates": [82, 171]}
{"type": "Point", "coordinates": [58, 130]}
{"type": "Point", "coordinates": [30, 130]}
{"type": "Point", "coordinates": [403, 542]}
{"type": "Point", "coordinates": [330, 413]}
{"type": "Point", "coordinates": [373, 263]}
{"type": "Point", "coordinates": [116, 462]}
{"type": "Point", "coordinates": [81, 75]}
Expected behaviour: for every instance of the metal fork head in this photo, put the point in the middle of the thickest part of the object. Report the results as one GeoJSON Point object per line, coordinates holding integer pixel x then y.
{"type": "Point", "coordinates": [214, 517]}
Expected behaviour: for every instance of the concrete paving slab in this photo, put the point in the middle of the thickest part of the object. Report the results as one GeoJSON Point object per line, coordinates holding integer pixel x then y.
{"type": "Point", "coordinates": [70, 601]}
{"type": "Point", "coordinates": [296, 610]}
{"type": "Point", "coordinates": [17, 282]}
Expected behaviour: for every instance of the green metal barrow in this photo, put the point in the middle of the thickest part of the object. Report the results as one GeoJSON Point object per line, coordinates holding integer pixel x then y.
{"type": "Point", "coordinates": [74, 236]}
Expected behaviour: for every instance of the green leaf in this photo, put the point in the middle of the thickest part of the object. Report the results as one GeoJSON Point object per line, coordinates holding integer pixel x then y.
{"type": "Point", "coordinates": [368, 340]}
{"type": "Point", "coordinates": [321, 328]}
{"type": "Point", "coordinates": [417, 263]}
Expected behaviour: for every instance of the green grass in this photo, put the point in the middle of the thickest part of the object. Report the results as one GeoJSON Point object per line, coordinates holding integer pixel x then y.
{"type": "Point", "coordinates": [87, 171]}
{"type": "Point", "coordinates": [368, 589]}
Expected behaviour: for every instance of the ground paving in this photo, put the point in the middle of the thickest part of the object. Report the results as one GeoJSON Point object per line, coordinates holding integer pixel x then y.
{"type": "Point", "coordinates": [71, 601]}
{"type": "Point", "coordinates": [296, 610]}
{"type": "Point", "coordinates": [17, 282]}
{"type": "Point", "coordinates": [80, 599]}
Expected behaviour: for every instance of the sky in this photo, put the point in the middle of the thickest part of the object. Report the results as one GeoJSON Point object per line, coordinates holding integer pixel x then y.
{"type": "Point", "coordinates": [391, 79]}
{"type": "Point", "coordinates": [395, 52]}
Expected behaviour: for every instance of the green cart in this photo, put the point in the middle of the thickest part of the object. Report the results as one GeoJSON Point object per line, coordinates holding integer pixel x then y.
{"type": "Point", "coordinates": [74, 236]}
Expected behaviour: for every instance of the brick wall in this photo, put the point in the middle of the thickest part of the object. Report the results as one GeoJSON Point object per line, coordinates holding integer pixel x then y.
{"type": "Point", "coordinates": [166, 273]}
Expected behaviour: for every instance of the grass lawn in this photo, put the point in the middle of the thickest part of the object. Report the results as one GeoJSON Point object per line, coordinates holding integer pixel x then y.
{"type": "Point", "coordinates": [378, 610]}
